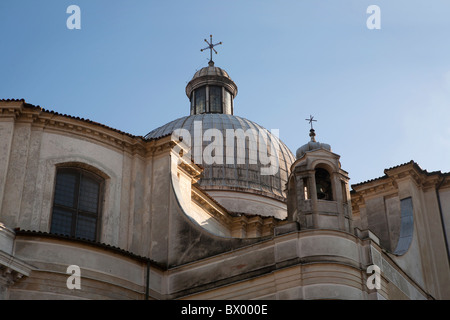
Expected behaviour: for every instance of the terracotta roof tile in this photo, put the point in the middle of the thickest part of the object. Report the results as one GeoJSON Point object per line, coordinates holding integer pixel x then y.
{"type": "Point", "coordinates": [13, 100]}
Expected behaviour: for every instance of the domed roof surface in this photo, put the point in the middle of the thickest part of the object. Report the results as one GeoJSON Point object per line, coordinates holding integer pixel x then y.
{"type": "Point", "coordinates": [243, 174]}
{"type": "Point", "coordinates": [211, 70]}
{"type": "Point", "coordinates": [311, 145]}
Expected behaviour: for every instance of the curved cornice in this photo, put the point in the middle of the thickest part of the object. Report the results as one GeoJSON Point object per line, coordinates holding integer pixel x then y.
{"type": "Point", "coordinates": [21, 112]}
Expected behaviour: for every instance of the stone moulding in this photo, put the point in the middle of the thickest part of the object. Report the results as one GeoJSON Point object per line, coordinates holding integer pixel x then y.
{"type": "Point", "coordinates": [41, 119]}
{"type": "Point", "coordinates": [388, 184]}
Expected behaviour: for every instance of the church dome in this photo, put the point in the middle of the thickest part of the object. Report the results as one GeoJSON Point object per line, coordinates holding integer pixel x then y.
{"type": "Point", "coordinates": [238, 176]}
{"type": "Point", "coordinates": [249, 176]}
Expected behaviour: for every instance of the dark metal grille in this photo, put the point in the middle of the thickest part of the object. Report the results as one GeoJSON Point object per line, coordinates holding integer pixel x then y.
{"type": "Point", "coordinates": [76, 203]}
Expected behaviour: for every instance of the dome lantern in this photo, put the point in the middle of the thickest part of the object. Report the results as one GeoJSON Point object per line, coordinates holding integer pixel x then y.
{"type": "Point", "coordinates": [318, 195]}
{"type": "Point", "coordinates": [211, 89]}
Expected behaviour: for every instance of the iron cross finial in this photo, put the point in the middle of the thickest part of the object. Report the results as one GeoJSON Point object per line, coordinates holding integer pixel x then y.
{"type": "Point", "coordinates": [211, 47]}
{"type": "Point", "coordinates": [310, 120]}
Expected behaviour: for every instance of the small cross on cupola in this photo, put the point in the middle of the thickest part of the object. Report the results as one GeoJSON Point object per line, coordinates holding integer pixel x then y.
{"type": "Point", "coordinates": [310, 120]}
{"type": "Point", "coordinates": [312, 133]}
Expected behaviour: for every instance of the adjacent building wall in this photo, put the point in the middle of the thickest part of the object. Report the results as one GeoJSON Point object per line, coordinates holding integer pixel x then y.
{"type": "Point", "coordinates": [416, 243]}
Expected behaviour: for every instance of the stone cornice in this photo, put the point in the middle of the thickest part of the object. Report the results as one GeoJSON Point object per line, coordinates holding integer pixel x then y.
{"type": "Point", "coordinates": [260, 226]}
{"type": "Point", "coordinates": [189, 167]}
{"type": "Point", "coordinates": [378, 186]}
{"type": "Point", "coordinates": [11, 108]}
{"type": "Point", "coordinates": [49, 121]}
{"type": "Point", "coordinates": [12, 269]}
{"type": "Point", "coordinates": [211, 206]}
{"type": "Point", "coordinates": [410, 170]}
{"type": "Point", "coordinates": [388, 184]}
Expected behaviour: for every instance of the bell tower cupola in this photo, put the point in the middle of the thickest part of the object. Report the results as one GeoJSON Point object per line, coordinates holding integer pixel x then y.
{"type": "Point", "coordinates": [318, 192]}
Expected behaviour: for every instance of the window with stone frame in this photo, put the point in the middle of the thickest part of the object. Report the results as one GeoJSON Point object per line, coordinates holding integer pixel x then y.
{"type": "Point", "coordinates": [76, 203]}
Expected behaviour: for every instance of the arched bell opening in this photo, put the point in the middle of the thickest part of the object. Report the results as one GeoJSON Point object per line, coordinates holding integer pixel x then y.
{"type": "Point", "coordinates": [324, 189]}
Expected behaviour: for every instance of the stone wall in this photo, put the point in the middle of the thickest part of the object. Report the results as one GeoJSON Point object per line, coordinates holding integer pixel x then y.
{"type": "Point", "coordinates": [416, 243]}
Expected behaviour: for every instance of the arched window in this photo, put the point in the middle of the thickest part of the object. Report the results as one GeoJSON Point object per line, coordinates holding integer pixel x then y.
{"type": "Point", "coordinates": [323, 185]}
{"type": "Point", "coordinates": [76, 204]}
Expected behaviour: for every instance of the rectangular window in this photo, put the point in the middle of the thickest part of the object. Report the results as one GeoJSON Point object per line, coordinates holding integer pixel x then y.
{"type": "Point", "coordinates": [227, 102]}
{"type": "Point", "coordinates": [305, 189]}
{"type": "Point", "coordinates": [200, 100]}
{"type": "Point", "coordinates": [215, 99]}
{"type": "Point", "coordinates": [192, 103]}
{"type": "Point", "coordinates": [76, 204]}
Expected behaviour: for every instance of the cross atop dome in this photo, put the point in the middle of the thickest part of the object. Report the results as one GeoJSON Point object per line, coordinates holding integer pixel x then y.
{"type": "Point", "coordinates": [211, 89]}
{"type": "Point", "coordinates": [210, 47]}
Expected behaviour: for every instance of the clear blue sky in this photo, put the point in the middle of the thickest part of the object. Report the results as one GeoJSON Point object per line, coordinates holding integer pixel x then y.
{"type": "Point", "coordinates": [381, 97]}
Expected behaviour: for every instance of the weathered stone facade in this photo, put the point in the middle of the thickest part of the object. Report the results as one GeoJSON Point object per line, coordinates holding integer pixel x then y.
{"type": "Point", "coordinates": [162, 236]}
